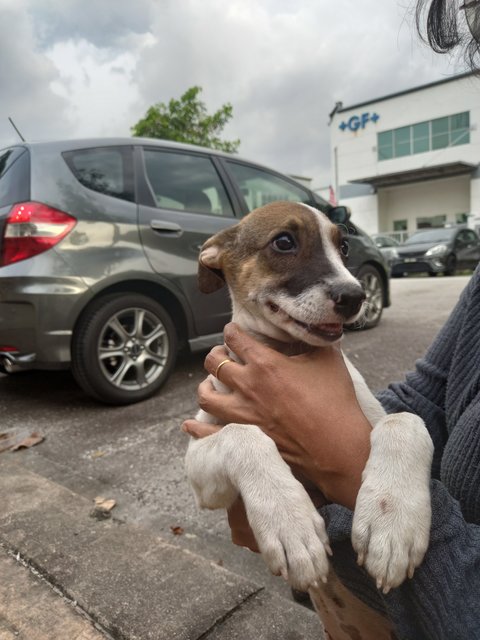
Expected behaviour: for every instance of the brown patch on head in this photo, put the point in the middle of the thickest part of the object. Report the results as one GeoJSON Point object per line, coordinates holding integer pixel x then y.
{"type": "Point", "coordinates": [251, 260]}
{"type": "Point", "coordinates": [229, 252]}
{"type": "Point", "coordinates": [254, 264]}
{"type": "Point", "coordinates": [256, 233]}
{"type": "Point", "coordinates": [339, 241]}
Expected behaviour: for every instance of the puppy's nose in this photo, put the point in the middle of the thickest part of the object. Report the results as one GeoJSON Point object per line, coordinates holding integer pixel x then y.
{"type": "Point", "coordinates": [348, 298]}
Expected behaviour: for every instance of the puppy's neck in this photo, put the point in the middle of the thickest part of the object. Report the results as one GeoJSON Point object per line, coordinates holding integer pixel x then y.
{"type": "Point", "coordinates": [268, 334]}
{"type": "Point", "coordinates": [287, 348]}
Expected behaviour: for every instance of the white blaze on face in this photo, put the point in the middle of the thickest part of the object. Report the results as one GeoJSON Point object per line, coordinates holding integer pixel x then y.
{"type": "Point", "coordinates": [339, 270]}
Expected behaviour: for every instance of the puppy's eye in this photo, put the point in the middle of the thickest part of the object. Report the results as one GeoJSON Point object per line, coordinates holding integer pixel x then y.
{"type": "Point", "coordinates": [284, 243]}
{"type": "Point", "coordinates": [344, 247]}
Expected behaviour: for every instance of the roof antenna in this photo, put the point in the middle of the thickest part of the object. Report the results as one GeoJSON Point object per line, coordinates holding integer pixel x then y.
{"type": "Point", "coordinates": [14, 126]}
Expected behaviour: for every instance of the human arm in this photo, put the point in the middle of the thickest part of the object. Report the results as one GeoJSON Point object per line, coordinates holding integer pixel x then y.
{"type": "Point", "coordinates": [441, 601]}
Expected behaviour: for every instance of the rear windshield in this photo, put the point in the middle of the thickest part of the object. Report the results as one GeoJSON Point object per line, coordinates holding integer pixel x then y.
{"type": "Point", "coordinates": [108, 170]}
{"type": "Point", "coordinates": [14, 175]}
{"type": "Point", "coordinates": [435, 235]}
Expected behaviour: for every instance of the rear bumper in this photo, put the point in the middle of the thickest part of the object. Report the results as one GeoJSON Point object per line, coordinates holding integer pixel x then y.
{"type": "Point", "coordinates": [37, 316]}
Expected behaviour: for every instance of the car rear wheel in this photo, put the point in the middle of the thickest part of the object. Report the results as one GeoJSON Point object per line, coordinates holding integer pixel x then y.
{"type": "Point", "coordinates": [373, 287]}
{"type": "Point", "coordinates": [123, 348]}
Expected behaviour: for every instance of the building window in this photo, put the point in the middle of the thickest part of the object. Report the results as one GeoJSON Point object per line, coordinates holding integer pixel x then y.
{"type": "Point", "coordinates": [424, 136]}
{"type": "Point", "coordinates": [399, 225]}
{"type": "Point", "coordinates": [385, 145]}
{"type": "Point", "coordinates": [432, 222]}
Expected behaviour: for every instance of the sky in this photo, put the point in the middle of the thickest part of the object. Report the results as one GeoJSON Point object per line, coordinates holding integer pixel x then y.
{"type": "Point", "coordinates": [83, 68]}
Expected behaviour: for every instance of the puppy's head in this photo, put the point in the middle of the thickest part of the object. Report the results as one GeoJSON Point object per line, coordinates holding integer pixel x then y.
{"type": "Point", "coordinates": [284, 264]}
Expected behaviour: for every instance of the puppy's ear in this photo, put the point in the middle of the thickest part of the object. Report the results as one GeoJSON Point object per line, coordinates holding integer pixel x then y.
{"type": "Point", "coordinates": [211, 260]}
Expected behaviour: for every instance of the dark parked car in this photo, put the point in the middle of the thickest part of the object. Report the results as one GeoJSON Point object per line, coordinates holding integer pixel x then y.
{"type": "Point", "coordinates": [387, 247]}
{"type": "Point", "coordinates": [99, 242]}
{"type": "Point", "coordinates": [436, 251]}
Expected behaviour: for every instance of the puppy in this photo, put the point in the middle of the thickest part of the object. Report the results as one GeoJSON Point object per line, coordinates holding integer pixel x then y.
{"type": "Point", "coordinates": [284, 265]}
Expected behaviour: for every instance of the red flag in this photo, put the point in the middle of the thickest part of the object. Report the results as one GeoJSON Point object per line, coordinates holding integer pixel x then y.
{"type": "Point", "coordinates": [331, 196]}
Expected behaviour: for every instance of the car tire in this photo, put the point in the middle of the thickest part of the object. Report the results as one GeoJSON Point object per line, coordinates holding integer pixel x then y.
{"type": "Point", "coordinates": [373, 285]}
{"type": "Point", "coordinates": [124, 348]}
{"type": "Point", "coordinates": [451, 265]}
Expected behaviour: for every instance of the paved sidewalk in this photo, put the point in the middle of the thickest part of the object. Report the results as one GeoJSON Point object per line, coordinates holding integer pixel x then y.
{"type": "Point", "coordinates": [130, 583]}
{"type": "Point", "coordinates": [30, 608]}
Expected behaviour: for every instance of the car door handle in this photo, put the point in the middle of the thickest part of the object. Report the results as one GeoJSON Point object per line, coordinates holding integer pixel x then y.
{"type": "Point", "coordinates": [166, 227]}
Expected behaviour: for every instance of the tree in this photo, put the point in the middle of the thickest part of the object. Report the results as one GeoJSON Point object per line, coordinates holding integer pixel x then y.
{"type": "Point", "coordinates": [187, 120]}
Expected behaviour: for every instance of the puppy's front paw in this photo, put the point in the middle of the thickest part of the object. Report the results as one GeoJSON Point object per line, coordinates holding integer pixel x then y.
{"type": "Point", "coordinates": [290, 533]}
{"type": "Point", "coordinates": [391, 523]}
{"type": "Point", "coordinates": [390, 531]}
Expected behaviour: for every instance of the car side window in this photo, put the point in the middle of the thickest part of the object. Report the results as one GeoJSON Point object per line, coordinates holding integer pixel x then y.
{"type": "Point", "coordinates": [14, 176]}
{"type": "Point", "coordinates": [108, 170]}
{"type": "Point", "coordinates": [470, 237]}
{"type": "Point", "coordinates": [259, 187]}
{"type": "Point", "coordinates": [186, 182]}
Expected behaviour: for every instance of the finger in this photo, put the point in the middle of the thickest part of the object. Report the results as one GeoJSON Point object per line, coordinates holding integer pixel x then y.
{"type": "Point", "coordinates": [244, 346]}
{"type": "Point", "coordinates": [214, 357]}
{"type": "Point", "coordinates": [200, 429]}
{"type": "Point", "coordinates": [224, 369]}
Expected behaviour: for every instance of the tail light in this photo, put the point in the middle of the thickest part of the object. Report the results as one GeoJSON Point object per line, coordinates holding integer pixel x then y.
{"type": "Point", "coordinates": [30, 229]}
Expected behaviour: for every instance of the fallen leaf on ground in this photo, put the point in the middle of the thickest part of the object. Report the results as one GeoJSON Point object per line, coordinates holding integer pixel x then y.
{"type": "Point", "coordinates": [22, 439]}
{"type": "Point", "coordinates": [102, 508]}
{"type": "Point", "coordinates": [106, 504]}
{"type": "Point", "coordinates": [177, 531]}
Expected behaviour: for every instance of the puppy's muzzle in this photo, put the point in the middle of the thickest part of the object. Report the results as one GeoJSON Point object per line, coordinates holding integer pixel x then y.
{"type": "Point", "coordinates": [347, 298]}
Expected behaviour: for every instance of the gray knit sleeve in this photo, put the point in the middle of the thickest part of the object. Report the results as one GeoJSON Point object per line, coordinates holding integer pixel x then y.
{"type": "Point", "coordinates": [442, 601]}
{"type": "Point", "coordinates": [424, 390]}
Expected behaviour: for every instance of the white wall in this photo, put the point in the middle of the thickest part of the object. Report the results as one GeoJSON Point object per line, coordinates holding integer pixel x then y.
{"type": "Point", "coordinates": [447, 196]}
{"type": "Point", "coordinates": [356, 152]}
{"type": "Point", "coordinates": [354, 156]}
{"type": "Point", "coordinates": [475, 196]}
{"type": "Point", "coordinates": [364, 212]}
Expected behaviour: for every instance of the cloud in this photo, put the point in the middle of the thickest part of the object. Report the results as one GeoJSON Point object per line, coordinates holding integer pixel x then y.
{"type": "Point", "coordinates": [91, 69]}
{"type": "Point", "coordinates": [25, 80]}
{"type": "Point", "coordinates": [106, 23]}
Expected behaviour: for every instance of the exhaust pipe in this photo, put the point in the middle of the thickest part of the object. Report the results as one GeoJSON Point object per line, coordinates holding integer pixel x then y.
{"type": "Point", "coordinates": [11, 362]}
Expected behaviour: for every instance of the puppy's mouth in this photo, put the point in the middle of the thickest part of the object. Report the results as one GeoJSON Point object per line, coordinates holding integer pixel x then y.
{"type": "Point", "coordinates": [330, 331]}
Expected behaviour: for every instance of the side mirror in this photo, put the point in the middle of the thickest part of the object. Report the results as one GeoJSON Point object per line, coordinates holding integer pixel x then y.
{"type": "Point", "coordinates": [339, 215]}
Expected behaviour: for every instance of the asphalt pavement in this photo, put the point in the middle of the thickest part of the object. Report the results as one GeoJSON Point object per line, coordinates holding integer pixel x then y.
{"type": "Point", "coordinates": [134, 455]}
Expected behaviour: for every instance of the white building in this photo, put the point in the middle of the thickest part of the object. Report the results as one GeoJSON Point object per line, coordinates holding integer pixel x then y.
{"type": "Point", "coordinates": [410, 160]}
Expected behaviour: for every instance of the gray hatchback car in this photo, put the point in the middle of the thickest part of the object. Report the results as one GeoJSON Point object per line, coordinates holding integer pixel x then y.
{"type": "Point", "coordinates": [99, 242]}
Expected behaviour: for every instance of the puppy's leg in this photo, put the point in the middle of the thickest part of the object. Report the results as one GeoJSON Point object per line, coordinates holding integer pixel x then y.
{"type": "Point", "coordinates": [391, 524]}
{"type": "Point", "coordinates": [289, 532]}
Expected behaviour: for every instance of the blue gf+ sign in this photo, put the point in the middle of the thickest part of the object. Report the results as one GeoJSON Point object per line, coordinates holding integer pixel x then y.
{"type": "Point", "coordinates": [358, 122]}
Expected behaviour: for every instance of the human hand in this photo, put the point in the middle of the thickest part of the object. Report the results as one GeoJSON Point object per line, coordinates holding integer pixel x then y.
{"type": "Point", "coordinates": [306, 404]}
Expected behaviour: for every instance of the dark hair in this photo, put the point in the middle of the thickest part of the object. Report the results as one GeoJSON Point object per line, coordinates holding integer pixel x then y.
{"type": "Point", "coordinates": [451, 24]}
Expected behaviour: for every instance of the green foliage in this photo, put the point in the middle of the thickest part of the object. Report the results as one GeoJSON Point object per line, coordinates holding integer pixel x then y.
{"type": "Point", "coordinates": [187, 120]}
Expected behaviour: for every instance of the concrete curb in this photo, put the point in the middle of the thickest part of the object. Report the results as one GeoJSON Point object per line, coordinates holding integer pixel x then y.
{"type": "Point", "coordinates": [132, 584]}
